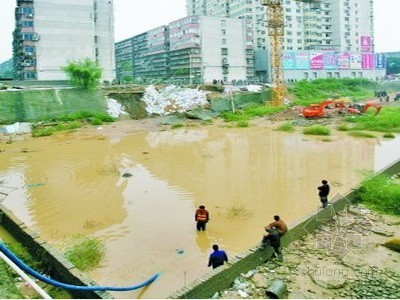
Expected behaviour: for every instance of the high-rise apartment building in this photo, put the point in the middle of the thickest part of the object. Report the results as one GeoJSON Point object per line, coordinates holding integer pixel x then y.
{"type": "Point", "coordinates": [49, 33]}
{"type": "Point", "coordinates": [194, 49]}
{"type": "Point", "coordinates": [339, 26]}
{"type": "Point", "coordinates": [335, 24]}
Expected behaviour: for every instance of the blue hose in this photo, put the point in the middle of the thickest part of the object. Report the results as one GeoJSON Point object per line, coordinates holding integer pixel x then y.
{"type": "Point", "coordinates": [45, 279]}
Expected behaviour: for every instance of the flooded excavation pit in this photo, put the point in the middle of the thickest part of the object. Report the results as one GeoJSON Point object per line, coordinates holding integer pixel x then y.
{"type": "Point", "coordinates": [78, 184]}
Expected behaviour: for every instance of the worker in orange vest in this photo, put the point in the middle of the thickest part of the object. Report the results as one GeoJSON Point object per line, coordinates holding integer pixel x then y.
{"type": "Point", "coordinates": [201, 217]}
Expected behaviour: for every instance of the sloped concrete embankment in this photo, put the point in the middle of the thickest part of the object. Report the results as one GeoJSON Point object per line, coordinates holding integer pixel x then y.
{"type": "Point", "coordinates": [222, 278]}
{"type": "Point", "coordinates": [58, 267]}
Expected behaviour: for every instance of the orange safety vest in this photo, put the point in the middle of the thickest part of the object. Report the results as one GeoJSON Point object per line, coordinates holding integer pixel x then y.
{"type": "Point", "coordinates": [202, 215]}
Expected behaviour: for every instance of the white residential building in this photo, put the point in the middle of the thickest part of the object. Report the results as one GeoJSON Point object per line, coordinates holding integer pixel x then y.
{"type": "Point", "coordinates": [194, 49]}
{"type": "Point", "coordinates": [340, 26]}
{"type": "Point", "coordinates": [49, 33]}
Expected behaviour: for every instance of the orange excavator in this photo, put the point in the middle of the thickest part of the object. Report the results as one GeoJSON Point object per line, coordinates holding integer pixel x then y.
{"type": "Point", "coordinates": [330, 107]}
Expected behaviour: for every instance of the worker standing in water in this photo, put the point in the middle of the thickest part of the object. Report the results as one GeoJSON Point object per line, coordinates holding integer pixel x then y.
{"type": "Point", "coordinates": [323, 193]}
{"type": "Point", "coordinates": [217, 258]}
{"type": "Point", "coordinates": [202, 216]}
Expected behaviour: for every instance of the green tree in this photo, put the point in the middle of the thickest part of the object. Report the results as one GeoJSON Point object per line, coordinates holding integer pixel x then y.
{"type": "Point", "coordinates": [84, 73]}
{"type": "Point", "coordinates": [393, 65]}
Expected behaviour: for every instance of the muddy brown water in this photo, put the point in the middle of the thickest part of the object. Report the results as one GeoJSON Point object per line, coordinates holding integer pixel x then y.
{"type": "Point", "coordinates": [70, 184]}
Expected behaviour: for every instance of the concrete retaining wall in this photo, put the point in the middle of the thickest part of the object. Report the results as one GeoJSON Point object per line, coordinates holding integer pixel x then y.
{"type": "Point", "coordinates": [58, 267]}
{"type": "Point", "coordinates": [223, 277]}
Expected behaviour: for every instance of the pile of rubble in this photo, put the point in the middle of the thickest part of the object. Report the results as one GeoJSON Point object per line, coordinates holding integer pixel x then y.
{"type": "Point", "coordinates": [343, 259]}
{"type": "Point", "coordinates": [173, 99]}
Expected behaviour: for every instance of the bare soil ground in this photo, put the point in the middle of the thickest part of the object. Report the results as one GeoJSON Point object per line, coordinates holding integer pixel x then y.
{"type": "Point", "coordinates": [344, 259]}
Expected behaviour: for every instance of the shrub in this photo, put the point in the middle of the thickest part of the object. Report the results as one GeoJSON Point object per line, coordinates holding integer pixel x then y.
{"type": "Point", "coordinates": [84, 73]}
{"type": "Point", "coordinates": [317, 130]}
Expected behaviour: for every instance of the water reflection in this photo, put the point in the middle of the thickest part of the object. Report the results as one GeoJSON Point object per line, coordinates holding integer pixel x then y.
{"type": "Point", "coordinates": [243, 176]}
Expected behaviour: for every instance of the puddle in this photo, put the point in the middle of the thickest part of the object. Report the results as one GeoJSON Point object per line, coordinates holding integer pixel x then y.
{"type": "Point", "coordinates": [72, 184]}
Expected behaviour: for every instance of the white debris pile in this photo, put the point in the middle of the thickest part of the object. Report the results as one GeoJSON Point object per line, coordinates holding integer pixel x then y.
{"type": "Point", "coordinates": [114, 109]}
{"type": "Point", "coordinates": [254, 88]}
{"type": "Point", "coordinates": [173, 99]}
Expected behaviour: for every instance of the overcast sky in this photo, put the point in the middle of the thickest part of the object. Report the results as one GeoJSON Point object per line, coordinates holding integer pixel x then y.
{"type": "Point", "coordinates": [136, 16]}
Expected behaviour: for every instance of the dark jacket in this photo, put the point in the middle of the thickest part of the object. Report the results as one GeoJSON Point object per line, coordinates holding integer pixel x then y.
{"type": "Point", "coordinates": [273, 238]}
{"type": "Point", "coordinates": [217, 258]}
{"type": "Point", "coordinates": [324, 190]}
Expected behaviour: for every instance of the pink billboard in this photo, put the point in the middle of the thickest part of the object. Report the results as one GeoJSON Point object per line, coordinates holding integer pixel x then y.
{"type": "Point", "coordinates": [367, 61]}
{"type": "Point", "coordinates": [366, 43]}
{"type": "Point", "coordinates": [344, 61]}
{"type": "Point", "coordinates": [316, 60]}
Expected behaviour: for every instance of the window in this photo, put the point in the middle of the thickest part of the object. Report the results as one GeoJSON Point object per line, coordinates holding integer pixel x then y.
{"type": "Point", "coordinates": [28, 10]}
{"type": "Point", "coordinates": [27, 23]}
{"type": "Point", "coordinates": [30, 75]}
{"type": "Point", "coordinates": [30, 36]}
{"type": "Point", "coordinates": [29, 49]}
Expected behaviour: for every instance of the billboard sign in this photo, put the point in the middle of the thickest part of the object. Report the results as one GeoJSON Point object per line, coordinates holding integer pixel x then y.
{"type": "Point", "coordinates": [355, 61]}
{"type": "Point", "coordinates": [366, 43]}
{"type": "Point", "coordinates": [380, 61]}
{"type": "Point", "coordinates": [367, 62]}
{"type": "Point", "coordinates": [316, 60]}
{"type": "Point", "coordinates": [302, 61]}
{"type": "Point", "coordinates": [330, 60]}
{"type": "Point", "coordinates": [344, 61]}
{"type": "Point", "coordinates": [289, 60]}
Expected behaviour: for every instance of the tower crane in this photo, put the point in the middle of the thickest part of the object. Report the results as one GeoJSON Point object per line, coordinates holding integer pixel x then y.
{"type": "Point", "coordinates": [276, 31]}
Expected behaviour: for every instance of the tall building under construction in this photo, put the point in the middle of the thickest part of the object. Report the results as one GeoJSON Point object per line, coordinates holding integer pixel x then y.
{"type": "Point", "coordinates": [49, 33]}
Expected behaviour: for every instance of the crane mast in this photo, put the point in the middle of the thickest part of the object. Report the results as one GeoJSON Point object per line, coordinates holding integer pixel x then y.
{"type": "Point", "coordinates": [276, 31]}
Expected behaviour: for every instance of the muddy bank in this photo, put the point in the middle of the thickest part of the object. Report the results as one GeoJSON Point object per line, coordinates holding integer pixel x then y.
{"type": "Point", "coordinates": [343, 259]}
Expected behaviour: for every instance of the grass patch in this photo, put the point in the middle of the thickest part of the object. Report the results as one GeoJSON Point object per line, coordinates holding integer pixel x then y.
{"type": "Point", "coordinates": [38, 132]}
{"type": "Point", "coordinates": [242, 124]}
{"type": "Point", "coordinates": [238, 210]}
{"type": "Point", "coordinates": [250, 112]}
{"type": "Point", "coordinates": [343, 127]}
{"type": "Point", "coordinates": [393, 244]}
{"type": "Point", "coordinates": [174, 126]}
{"type": "Point", "coordinates": [288, 127]}
{"type": "Point", "coordinates": [363, 134]}
{"type": "Point", "coordinates": [71, 122]}
{"type": "Point", "coordinates": [86, 253]}
{"type": "Point", "coordinates": [8, 289]}
{"type": "Point", "coordinates": [389, 135]}
{"type": "Point", "coordinates": [327, 139]}
{"type": "Point", "coordinates": [388, 120]}
{"type": "Point", "coordinates": [317, 130]}
{"type": "Point", "coordinates": [308, 92]}
{"type": "Point", "coordinates": [381, 193]}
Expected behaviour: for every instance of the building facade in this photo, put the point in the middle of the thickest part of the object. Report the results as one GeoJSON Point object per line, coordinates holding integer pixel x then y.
{"type": "Point", "coordinates": [344, 27]}
{"type": "Point", "coordinates": [194, 49]}
{"type": "Point", "coordinates": [49, 33]}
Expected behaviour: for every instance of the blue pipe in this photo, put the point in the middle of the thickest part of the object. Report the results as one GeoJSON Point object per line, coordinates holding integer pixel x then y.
{"type": "Point", "coordinates": [45, 279]}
